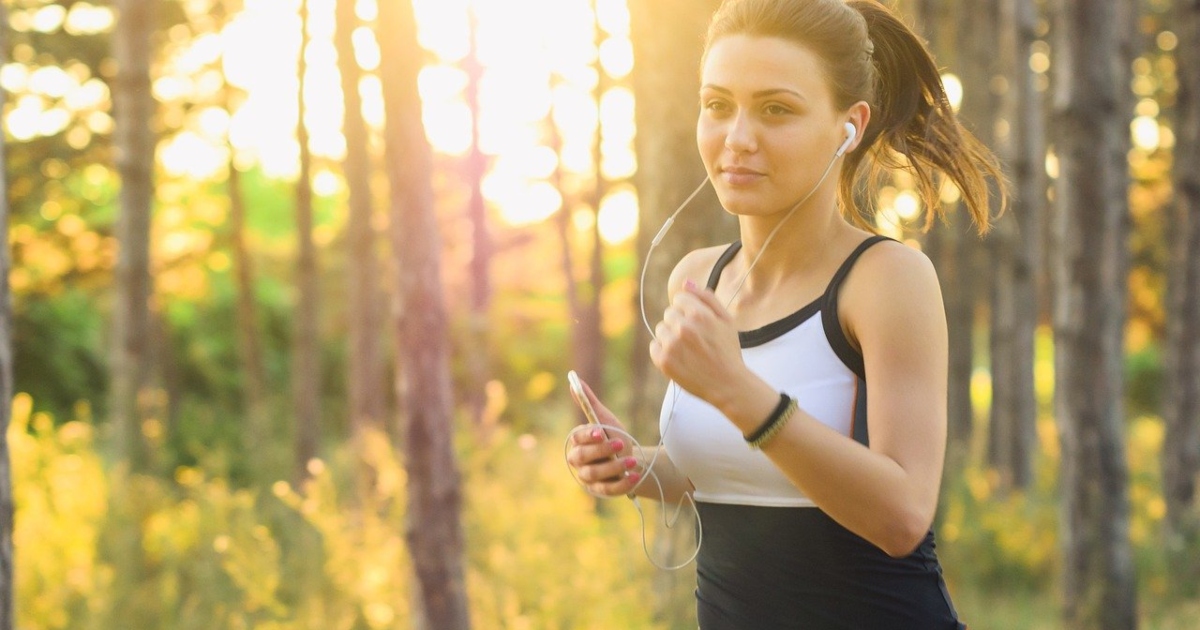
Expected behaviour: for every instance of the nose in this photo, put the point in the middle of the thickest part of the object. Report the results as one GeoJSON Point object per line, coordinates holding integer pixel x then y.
{"type": "Point", "coordinates": [740, 136]}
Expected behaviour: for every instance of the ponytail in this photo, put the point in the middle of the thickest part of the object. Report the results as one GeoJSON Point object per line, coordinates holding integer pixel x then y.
{"type": "Point", "coordinates": [915, 126]}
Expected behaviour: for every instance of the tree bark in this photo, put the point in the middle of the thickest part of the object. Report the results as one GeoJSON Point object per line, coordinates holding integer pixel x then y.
{"type": "Point", "coordinates": [434, 533]}
{"type": "Point", "coordinates": [1015, 251]}
{"type": "Point", "coordinates": [133, 108]}
{"type": "Point", "coordinates": [1181, 448]}
{"type": "Point", "coordinates": [964, 252]}
{"type": "Point", "coordinates": [254, 391]}
{"type": "Point", "coordinates": [479, 364]}
{"type": "Point", "coordinates": [948, 247]}
{"type": "Point", "coordinates": [1089, 313]}
{"type": "Point", "coordinates": [7, 566]}
{"type": "Point", "coordinates": [306, 377]}
{"type": "Point", "coordinates": [591, 327]}
{"type": "Point", "coordinates": [668, 40]}
{"type": "Point", "coordinates": [366, 379]}
{"type": "Point", "coordinates": [665, 83]}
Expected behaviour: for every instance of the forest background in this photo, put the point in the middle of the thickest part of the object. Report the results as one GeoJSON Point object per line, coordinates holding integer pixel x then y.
{"type": "Point", "coordinates": [285, 336]}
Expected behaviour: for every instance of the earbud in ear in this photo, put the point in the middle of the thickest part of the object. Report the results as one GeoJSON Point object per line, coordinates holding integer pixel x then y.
{"type": "Point", "coordinates": [851, 134]}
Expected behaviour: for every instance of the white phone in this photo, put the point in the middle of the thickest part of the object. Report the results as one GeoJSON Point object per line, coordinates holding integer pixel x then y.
{"type": "Point", "coordinates": [581, 397]}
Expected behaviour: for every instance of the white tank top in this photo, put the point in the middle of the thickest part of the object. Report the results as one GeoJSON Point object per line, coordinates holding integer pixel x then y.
{"type": "Point", "coordinates": [804, 355]}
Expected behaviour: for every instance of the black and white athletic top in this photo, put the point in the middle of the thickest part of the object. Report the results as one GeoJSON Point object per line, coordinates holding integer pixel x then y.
{"type": "Point", "coordinates": [770, 558]}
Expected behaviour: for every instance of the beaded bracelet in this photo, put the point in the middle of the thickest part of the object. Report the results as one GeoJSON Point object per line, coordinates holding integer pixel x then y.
{"type": "Point", "coordinates": [774, 422]}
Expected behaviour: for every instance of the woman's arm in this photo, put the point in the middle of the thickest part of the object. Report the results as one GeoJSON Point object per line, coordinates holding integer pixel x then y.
{"type": "Point", "coordinates": [893, 308]}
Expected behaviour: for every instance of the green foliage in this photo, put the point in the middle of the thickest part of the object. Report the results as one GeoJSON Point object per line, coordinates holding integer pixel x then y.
{"type": "Point", "coordinates": [57, 341]}
{"type": "Point", "coordinates": [210, 555]}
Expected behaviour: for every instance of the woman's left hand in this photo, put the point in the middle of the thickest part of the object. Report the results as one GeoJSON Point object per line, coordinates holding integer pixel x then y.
{"type": "Point", "coordinates": [696, 344]}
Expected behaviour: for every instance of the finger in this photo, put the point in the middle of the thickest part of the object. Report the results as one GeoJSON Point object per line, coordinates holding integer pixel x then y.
{"type": "Point", "coordinates": [663, 332]}
{"type": "Point", "coordinates": [656, 353]}
{"type": "Point", "coordinates": [608, 471]}
{"type": "Point", "coordinates": [587, 434]}
{"type": "Point", "coordinates": [603, 414]}
{"type": "Point", "coordinates": [590, 454]}
{"type": "Point", "coordinates": [620, 486]}
{"type": "Point", "coordinates": [707, 298]}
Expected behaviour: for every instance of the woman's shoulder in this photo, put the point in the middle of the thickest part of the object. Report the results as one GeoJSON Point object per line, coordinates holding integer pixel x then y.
{"type": "Point", "coordinates": [696, 265]}
{"type": "Point", "coordinates": [890, 260]}
{"type": "Point", "coordinates": [891, 283]}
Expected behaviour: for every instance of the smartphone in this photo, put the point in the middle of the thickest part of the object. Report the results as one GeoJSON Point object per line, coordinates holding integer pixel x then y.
{"type": "Point", "coordinates": [581, 397]}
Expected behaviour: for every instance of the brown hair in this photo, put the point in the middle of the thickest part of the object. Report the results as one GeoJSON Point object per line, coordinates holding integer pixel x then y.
{"type": "Point", "coordinates": [870, 55]}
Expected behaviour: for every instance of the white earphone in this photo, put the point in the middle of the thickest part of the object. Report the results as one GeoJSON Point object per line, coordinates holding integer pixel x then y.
{"type": "Point", "coordinates": [851, 134]}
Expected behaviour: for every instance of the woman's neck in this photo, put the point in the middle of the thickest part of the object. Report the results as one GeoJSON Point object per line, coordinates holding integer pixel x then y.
{"type": "Point", "coordinates": [799, 246]}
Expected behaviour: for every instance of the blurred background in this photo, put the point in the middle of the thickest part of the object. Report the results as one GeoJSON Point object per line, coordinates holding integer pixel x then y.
{"type": "Point", "coordinates": [294, 286]}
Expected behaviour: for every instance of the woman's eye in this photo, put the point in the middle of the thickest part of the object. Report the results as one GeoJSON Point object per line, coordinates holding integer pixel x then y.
{"type": "Point", "coordinates": [776, 110]}
{"type": "Point", "coordinates": [716, 106]}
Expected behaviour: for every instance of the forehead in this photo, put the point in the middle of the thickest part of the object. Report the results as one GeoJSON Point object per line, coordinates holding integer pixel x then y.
{"type": "Point", "coordinates": [753, 63]}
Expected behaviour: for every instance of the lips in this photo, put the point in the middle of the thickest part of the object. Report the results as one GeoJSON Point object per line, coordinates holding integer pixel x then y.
{"type": "Point", "coordinates": [740, 175]}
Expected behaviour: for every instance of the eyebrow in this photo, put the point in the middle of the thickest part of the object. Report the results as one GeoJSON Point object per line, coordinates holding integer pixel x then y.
{"type": "Point", "coordinates": [758, 94]}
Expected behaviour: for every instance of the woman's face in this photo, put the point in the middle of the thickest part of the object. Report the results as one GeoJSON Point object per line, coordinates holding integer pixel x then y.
{"type": "Point", "coordinates": [767, 126]}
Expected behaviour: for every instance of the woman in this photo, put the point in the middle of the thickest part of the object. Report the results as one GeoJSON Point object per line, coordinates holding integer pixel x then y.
{"type": "Point", "coordinates": [816, 499]}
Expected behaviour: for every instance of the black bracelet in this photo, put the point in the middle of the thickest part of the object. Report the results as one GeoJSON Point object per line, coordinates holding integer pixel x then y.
{"type": "Point", "coordinates": [776, 415]}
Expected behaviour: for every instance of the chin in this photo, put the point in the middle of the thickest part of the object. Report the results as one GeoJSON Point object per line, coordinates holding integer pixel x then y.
{"type": "Point", "coordinates": [743, 205]}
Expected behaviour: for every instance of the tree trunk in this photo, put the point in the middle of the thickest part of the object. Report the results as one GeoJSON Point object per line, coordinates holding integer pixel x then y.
{"type": "Point", "coordinates": [249, 340]}
{"type": "Point", "coordinates": [591, 327]}
{"type": "Point", "coordinates": [7, 568]}
{"type": "Point", "coordinates": [435, 537]}
{"type": "Point", "coordinates": [946, 244]}
{"type": "Point", "coordinates": [1181, 448]}
{"type": "Point", "coordinates": [1089, 313]}
{"type": "Point", "coordinates": [478, 361]}
{"type": "Point", "coordinates": [1016, 252]}
{"type": "Point", "coordinates": [365, 378]}
{"type": "Point", "coordinates": [133, 107]}
{"type": "Point", "coordinates": [134, 148]}
{"type": "Point", "coordinates": [964, 251]}
{"type": "Point", "coordinates": [665, 83]}
{"type": "Point", "coordinates": [306, 379]}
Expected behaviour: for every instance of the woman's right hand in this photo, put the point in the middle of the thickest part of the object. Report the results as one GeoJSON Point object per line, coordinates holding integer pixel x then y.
{"type": "Point", "coordinates": [603, 461]}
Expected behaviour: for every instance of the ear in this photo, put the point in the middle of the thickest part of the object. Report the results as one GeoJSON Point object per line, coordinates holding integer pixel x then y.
{"type": "Point", "coordinates": [859, 115]}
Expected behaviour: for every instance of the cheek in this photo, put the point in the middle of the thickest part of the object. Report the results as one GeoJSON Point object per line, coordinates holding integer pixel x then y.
{"type": "Point", "coordinates": [709, 140]}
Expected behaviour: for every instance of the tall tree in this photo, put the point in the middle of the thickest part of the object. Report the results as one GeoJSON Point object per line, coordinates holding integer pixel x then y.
{"type": "Point", "coordinates": [1089, 312]}
{"type": "Point", "coordinates": [475, 168]}
{"type": "Point", "coordinates": [1181, 449]}
{"type": "Point", "coordinates": [133, 108]}
{"type": "Point", "coordinates": [254, 388]}
{"type": "Point", "coordinates": [962, 251]}
{"type": "Point", "coordinates": [434, 535]}
{"type": "Point", "coordinates": [948, 245]}
{"type": "Point", "coordinates": [7, 567]}
{"type": "Point", "coordinates": [590, 340]}
{"type": "Point", "coordinates": [1015, 251]}
{"type": "Point", "coordinates": [665, 83]}
{"type": "Point", "coordinates": [306, 369]}
{"type": "Point", "coordinates": [365, 377]}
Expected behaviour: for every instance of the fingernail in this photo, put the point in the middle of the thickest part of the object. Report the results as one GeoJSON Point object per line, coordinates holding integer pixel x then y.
{"type": "Point", "coordinates": [688, 284]}
{"type": "Point", "coordinates": [596, 434]}
{"type": "Point", "coordinates": [634, 476]}
{"type": "Point", "coordinates": [617, 445]}
{"type": "Point", "coordinates": [630, 462]}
